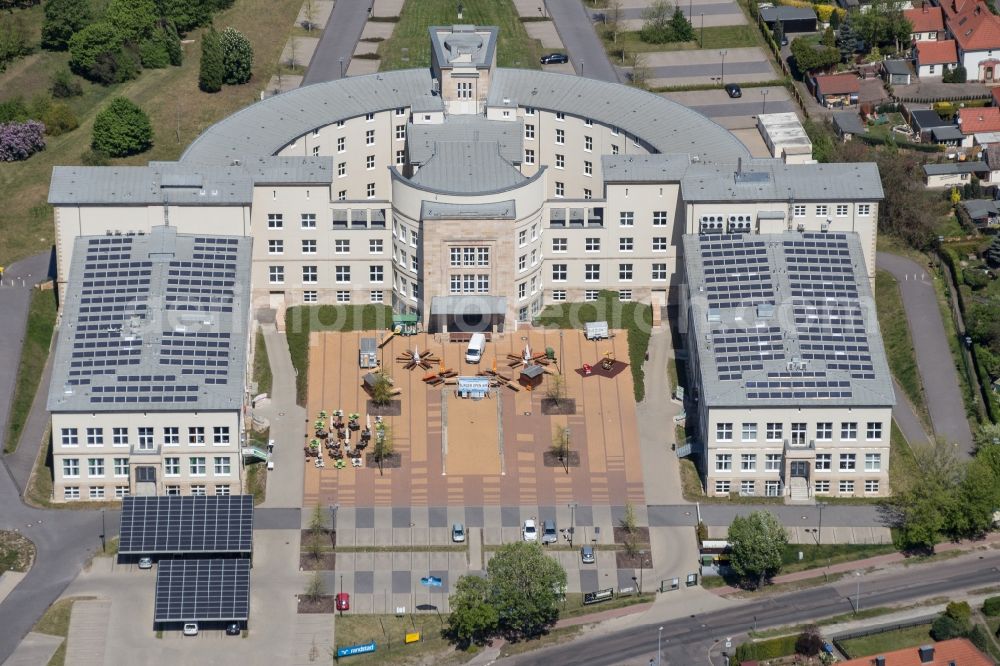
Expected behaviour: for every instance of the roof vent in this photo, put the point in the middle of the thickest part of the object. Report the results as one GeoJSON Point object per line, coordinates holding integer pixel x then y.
{"type": "Point", "coordinates": [714, 316]}
{"type": "Point", "coordinates": [926, 653]}
{"type": "Point", "coordinates": [880, 661]}
{"type": "Point", "coordinates": [765, 310]}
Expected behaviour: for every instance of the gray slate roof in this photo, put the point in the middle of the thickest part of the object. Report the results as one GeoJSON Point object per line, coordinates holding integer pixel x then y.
{"type": "Point", "coordinates": [177, 183]}
{"type": "Point", "coordinates": [929, 118]}
{"type": "Point", "coordinates": [950, 133]}
{"type": "Point", "coordinates": [848, 122]}
{"type": "Point", "coordinates": [509, 135]}
{"type": "Point", "coordinates": [785, 13]}
{"type": "Point", "coordinates": [153, 322]}
{"type": "Point", "coordinates": [979, 209]}
{"type": "Point", "coordinates": [897, 67]}
{"type": "Point", "coordinates": [461, 46]}
{"type": "Point", "coordinates": [773, 180]}
{"type": "Point", "coordinates": [644, 168]}
{"type": "Point", "coordinates": [467, 167]}
{"type": "Point", "coordinates": [784, 320]}
{"type": "Point", "coordinates": [947, 168]}
{"type": "Point", "coordinates": [267, 126]}
{"type": "Point", "coordinates": [499, 210]}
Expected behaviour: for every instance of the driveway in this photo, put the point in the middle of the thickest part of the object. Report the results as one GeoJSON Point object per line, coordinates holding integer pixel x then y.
{"type": "Point", "coordinates": [336, 46]}
{"type": "Point", "coordinates": [576, 31]}
{"type": "Point", "coordinates": [930, 343]}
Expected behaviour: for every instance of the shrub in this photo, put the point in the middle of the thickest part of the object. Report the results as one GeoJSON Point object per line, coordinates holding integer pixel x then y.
{"type": "Point", "coordinates": [173, 42]}
{"type": "Point", "coordinates": [19, 141]}
{"type": "Point", "coordinates": [991, 607]}
{"type": "Point", "coordinates": [63, 18]}
{"type": "Point", "coordinates": [980, 638]}
{"type": "Point", "coordinates": [115, 67]}
{"type": "Point", "coordinates": [122, 129]}
{"type": "Point", "coordinates": [15, 38]}
{"type": "Point", "coordinates": [89, 44]}
{"type": "Point", "coordinates": [976, 278]}
{"type": "Point", "coordinates": [237, 56]}
{"type": "Point", "coordinates": [946, 627]}
{"type": "Point", "coordinates": [212, 72]}
{"type": "Point", "coordinates": [94, 158]}
{"type": "Point", "coordinates": [809, 642]}
{"type": "Point", "coordinates": [959, 610]}
{"type": "Point", "coordinates": [153, 52]}
{"type": "Point", "coordinates": [64, 85]}
{"type": "Point", "coordinates": [13, 111]}
{"type": "Point", "coordinates": [59, 119]}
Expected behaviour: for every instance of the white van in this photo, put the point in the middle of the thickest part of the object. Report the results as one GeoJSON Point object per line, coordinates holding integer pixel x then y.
{"type": "Point", "coordinates": [476, 346]}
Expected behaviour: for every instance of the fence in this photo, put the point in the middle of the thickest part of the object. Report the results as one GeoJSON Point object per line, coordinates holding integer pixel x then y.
{"type": "Point", "coordinates": [754, 11]}
{"type": "Point", "coordinates": [916, 622]}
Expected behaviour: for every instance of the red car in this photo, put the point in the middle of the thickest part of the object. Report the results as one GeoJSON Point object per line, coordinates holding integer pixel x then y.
{"type": "Point", "coordinates": [343, 601]}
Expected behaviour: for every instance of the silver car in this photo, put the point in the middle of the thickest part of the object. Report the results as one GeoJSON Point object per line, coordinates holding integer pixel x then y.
{"type": "Point", "coordinates": [458, 533]}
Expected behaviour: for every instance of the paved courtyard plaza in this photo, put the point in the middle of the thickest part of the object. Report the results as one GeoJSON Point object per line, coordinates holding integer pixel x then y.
{"type": "Point", "coordinates": [489, 452]}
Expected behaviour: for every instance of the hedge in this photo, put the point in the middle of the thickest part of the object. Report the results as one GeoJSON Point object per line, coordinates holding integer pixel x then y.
{"type": "Point", "coordinates": [772, 648]}
{"type": "Point", "coordinates": [908, 145]}
{"type": "Point", "coordinates": [991, 607]}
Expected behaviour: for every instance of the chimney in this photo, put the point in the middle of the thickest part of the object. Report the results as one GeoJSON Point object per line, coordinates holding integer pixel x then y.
{"type": "Point", "coordinates": [923, 6]}
{"type": "Point", "coordinates": [926, 653]}
{"type": "Point", "coordinates": [879, 661]}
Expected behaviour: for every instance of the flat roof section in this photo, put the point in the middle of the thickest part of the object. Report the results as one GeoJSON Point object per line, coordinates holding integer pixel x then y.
{"type": "Point", "coordinates": [202, 591]}
{"type": "Point", "coordinates": [178, 525]}
{"type": "Point", "coordinates": [785, 132]}
{"type": "Point", "coordinates": [153, 321]}
{"type": "Point", "coordinates": [784, 320]}
{"type": "Point", "coordinates": [773, 180]}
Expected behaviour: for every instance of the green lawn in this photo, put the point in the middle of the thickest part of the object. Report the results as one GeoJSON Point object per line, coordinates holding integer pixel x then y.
{"type": "Point", "coordinates": [178, 110]}
{"type": "Point", "coordinates": [34, 353]}
{"type": "Point", "coordinates": [515, 48]}
{"type": "Point", "coordinates": [389, 632]}
{"type": "Point", "coordinates": [302, 320]}
{"type": "Point", "coordinates": [718, 37]}
{"type": "Point", "coordinates": [261, 365]}
{"type": "Point", "coordinates": [887, 641]}
{"type": "Point", "coordinates": [898, 344]}
{"type": "Point", "coordinates": [815, 556]}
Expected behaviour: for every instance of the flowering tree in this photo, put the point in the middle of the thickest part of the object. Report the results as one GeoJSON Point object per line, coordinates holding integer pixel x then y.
{"type": "Point", "coordinates": [19, 141]}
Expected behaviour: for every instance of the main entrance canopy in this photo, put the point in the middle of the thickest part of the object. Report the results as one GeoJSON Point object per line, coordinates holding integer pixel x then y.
{"type": "Point", "coordinates": [468, 313]}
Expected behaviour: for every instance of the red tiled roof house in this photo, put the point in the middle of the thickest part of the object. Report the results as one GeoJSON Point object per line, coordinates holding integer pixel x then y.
{"type": "Point", "coordinates": [934, 58]}
{"type": "Point", "coordinates": [954, 652]}
{"type": "Point", "coordinates": [927, 22]}
{"type": "Point", "coordinates": [977, 120]}
{"type": "Point", "coordinates": [976, 32]}
{"type": "Point", "coordinates": [836, 90]}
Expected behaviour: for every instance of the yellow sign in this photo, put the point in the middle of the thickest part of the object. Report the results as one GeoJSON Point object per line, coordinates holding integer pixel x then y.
{"type": "Point", "coordinates": [413, 637]}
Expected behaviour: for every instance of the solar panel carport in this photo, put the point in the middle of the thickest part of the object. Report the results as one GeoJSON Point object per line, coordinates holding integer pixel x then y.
{"type": "Point", "coordinates": [177, 526]}
{"type": "Point", "coordinates": [204, 591]}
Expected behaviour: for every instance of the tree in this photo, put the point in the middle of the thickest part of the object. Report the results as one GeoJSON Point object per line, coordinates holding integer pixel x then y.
{"type": "Point", "coordinates": [213, 70]}
{"type": "Point", "coordinates": [656, 26]}
{"type": "Point", "coordinates": [847, 40]}
{"type": "Point", "coordinates": [978, 498]}
{"type": "Point", "coordinates": [384, 446]}
{"type": "Point", "coordinates": [64, 85]}
{"type": "Point", "coordinates": [19, 141]}
{"type": "Point", "coordinates": [122, 129]}
{"type": "Point", "coordinates": [809, 642]}
{"type": "Point", "coordinates": [186, 14]}
{"type": "Point", "coordinates": [309, 15]}
{"type": "Point", "coordinates": [680, 27]}
{"type": "Point", "coordinates": [135, 20]}
{"type": "Point", "coordinates": [757, 543]}
{"type": "Point", "coordinates": [628, 522]}
{"type": "Point", "coordinates": [382, 389]}
{"type": "Point", "coordinates": [809, 56]}
{"type": "Point", "coordinates": [316, 587]}
{"type": "Point", "coordinates": [472, 619]}
{"type": "Point", "coordinates": [779, 32]}
{"type": "Point", "coordinates": [237, 56]}
{"type": "Point", "coordinates": [883, 24]}
{"type": "Point", "coordinates": [525, 587]}
{"type": "Point", "coordinates": [59, 119]}
{"type": "Point", "coordinates": [97, 53]}
{"type": "Point", "coordinates": [976, 278]}
{"type": "Point", "coordinates": [640, 69]}
{"type": "Point", "coordinates": [829, 38]}
{"type": "Point", "coordinates": [945, 628]}
{"type": "Point", "coordinates": [63, 18]}
{"type": "Point", "coordinates": [835, 19]}
{"type": "Point", "coordinates": [555, 389]}
{"type": "Point", "coordinates": [613, 19]}
{"type": "Point", "coordinates": [16, 39]}
{"type": "Point", "coordinates": [173, 41]}
{"type": "Point", "coordinates": [925, 506]}
{"type": "Point", "coordinates": [560, 444]}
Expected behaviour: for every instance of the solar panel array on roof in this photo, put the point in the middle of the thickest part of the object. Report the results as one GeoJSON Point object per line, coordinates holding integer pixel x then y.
{"type": "Point", "coordinates": [736, 271]}
{"type": "Point", "coordinates": [174, 524]}
{"type": "Point", "coordinates": [216, 590]}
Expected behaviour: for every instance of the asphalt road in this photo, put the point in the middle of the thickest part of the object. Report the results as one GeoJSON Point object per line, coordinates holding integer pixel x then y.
{"type": "Point", "coordinates": [341, 35]}
{"type": "Point", "coordinates": [930, 343]}
{"type": "Point", "coordinates": [790, 516]}
{"type": "Point", "coordinates": [586, 52]}
{"type": "Point", "coordinates": [688, 639]}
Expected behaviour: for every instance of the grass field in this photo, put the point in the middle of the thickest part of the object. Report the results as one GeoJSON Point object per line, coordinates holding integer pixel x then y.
{"type": "Point", "coordinates": [718, 37]}
{"type": "Point", "coordinates": [34, 353]}
{"type": "Point", "coordinates": [389, 632]}
{"type": "Point", "coordinates": [261, 365]}
{"type": "Point", "coordinates": [178, 110]}
{"type": "Point", "coordinates": [814, 556]}
{"type": "Point", "coordinates": [16, 552]}
{"type": "Point", "coordinates": [888, 641]}
{"type": "Point", "coordinates": [515, 48]}
{"type": "Point", "coordinates": [898, 344]}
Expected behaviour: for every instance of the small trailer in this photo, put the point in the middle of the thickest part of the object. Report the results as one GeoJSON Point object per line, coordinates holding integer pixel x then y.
{"type": "Point", "coordinates": [368, 353]}
{"type": "Point", "coordinates": [596, 330]}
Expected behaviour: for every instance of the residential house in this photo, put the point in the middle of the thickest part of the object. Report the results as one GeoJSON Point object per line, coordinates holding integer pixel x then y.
{"type": "Point", "coordinates": [934, 58]}
{"type": "Point", "coordinates": [897, 72]}
{"type": "Point", "coordinates": [925, 121]}
{"type": "Point", "coordinates": [952, 174]}
{"type": "Point", "coordinates": [927, 22]}
{"type": "Point", "coordinates": [977, 32]}
{"type": "Point", "coordinates": [977, 120]}
{"type": "Point", "coordinates": [982, 212]}
{"type": "Point", "coordinates": [836, 90]}
{"type": "Point", "coordinates": [954, 652]}
{"type": "Point", "coordinates": [792, 19]}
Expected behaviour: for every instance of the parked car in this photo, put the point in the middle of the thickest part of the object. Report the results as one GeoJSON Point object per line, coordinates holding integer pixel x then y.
{"type": "Point", "coordinates": [529, 532]}
{"type": "Point", "coordinates": [233, 629]}
{"type": "Point", "coordinates": [784, 40]}
{"type": "Point", "coordinates": [145, 562]}
{"type": "Point", "coordinates": [191, 629]}
{"type": "Point", "coordinates": [343, 601]}
{"type": "Point", "coordinates": [458, 532]}
{"type": "Point", "coordinates": [587, 555]}
{"type": "Point", "coordinates": [554, 59]}
{"type": "Point", "coordinates": [549, 534]}
{"type": "Point", "coordinates": [734, 90]}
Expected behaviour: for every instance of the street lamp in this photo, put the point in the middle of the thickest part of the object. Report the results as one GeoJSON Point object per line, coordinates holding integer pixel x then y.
{"type": "Point", "coordinates": [659, 642]}
{"type": "Point", "coordinates": [701, 39]}
{"type": "Point", "coordinates": [820, 506]}
{"type": "Point", "coordinates": [104, 532]}
{"type": "Point", "coordinates": [722, 73]}
{"type": "Point", "coordinates": [572, 523]}
{"type": "Point", "coordinates": [763, 108]}
{"type": "Point", "coordinates": [857, 599]}
{"type": "Point", "coordinates": [581, 68]}
{"type": "Point", "coordinates": [341, 68]}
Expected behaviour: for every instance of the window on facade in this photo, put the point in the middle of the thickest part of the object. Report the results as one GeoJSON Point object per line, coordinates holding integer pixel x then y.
{"type": "Point", "coordinates": [846, 487]}
{"type": "Point", "coordinates": [171, 466]}
{"type": "Point", "coordinates": [614, 149]}
{"type": "Point", "coordinates": [560, 189]}
{"type": "Point", "coordinates": [370, 138]}
{"type": "Point", "coordinates": [824, 431]}
{"type": "Point", "coordinates": [171, 435]}
{"type": "Point", "coordinates": [625, 272]}
{"type": "Point", "coordinates": [559, 272]}
{"type": "Point", "coordinates": [772, 462]}
{"type": "Point", "coordinates": [146, 439]}
{"type": "Point", "coordinates": [400, 157]}
{"type": "Point", "coordinates": [659, 218]}
{"type": "Point", "coordinates": [591, 272]}
{"type": "Point", "coordinates": [588, 168]}
{"type": "Point", "coordinates": [275, 221]}
{"type": "Point", "coordinates": [849, 430]}
{"type": "Point", "coordinates": [822, 487]}
{"type": "Point", "coordinates": [626, 218]}
{"type": "Point", "coordinates": [276, 274]}
{"type": "Point", "coordinates": [864, 210]}
{"type": "Point", "coordinates": [196, 465]}
{"type": "Point", "coordinates": [848, 462]}
{"type": "Point", "coordinates": [529, 131]}
{"type": "Point", "coordinates": [71, 492]}
{"type": "Point", "coordinates": [342, 195]}
{"type": "Point", "coordinates": [841, 210]}
{"type": "Point", "coordinates": [821, 210]}
{"type": "Point", "coordinates": [659, 272]}
{"type": "Point", "coordinates": [196, 435]}
{"type": "Point", "coordinates": [772, 488]}
{"type": "Point", "coordinates": [529, 156]}
{"type": "Point", "coordinates": [222, 490]}
{"type": "Point", "coordinates": [121, 466]}
{"type": "Point", "coordinates": [588, 194]}
{"type": "Point", "coordinates": [588, 143]}
{"type": "Point", "coordinates": [275, 246]}
{"type": "Point", "coordinates": [342, 273]}
{"type": "Point", "coordinates": [624, 295]}
{"type": "Point", "coordinates": [823, 462]}
{"type": "Point", "coordinates": [370, 162]}
{"type": "Point", "coordinates": [97, 493]}
{"type": "Point", "coordinates": [400, 132]}
{"type": "Point", "coordinates": [369, 117]}
{"type": "Point", "coordinates": [309, 246]}
{"type": "Point", "coordinates": [121, 491]}
{"type": "Point", "coordinates": [343, 296]}
{"type": "Point", "coordinates": [559, 295]}
{"type": "Point", "coordinates": [119, 436]}
{"type": "Point", "coordinates": [724, 432]}
{"type": "Point", "coordinates": [748, 488]}
{"type": "Point", "coordinates": [560, 161]}
{"type": "Point", "coordinates": [590, 295]}
{"type": "Point", "coordinates": [748, 432]}
{"type": "Point", "coordinates": [376, 274]}
{"type": "Point", "coordinates": [198, 490]}
{"type": "Point", "coordinates": [522, 291]}
{"type": "Point", "coordinates": [340, 246]}
{"type": "Point", "coordinates": [95, 436]}
{"type": "Point", "coordinates": [798, 434]}
{"type": "Point", "coordinates": [560, 137]}
{"type": "Point", "coordinates": [70, 437]}
{"type": "Point", "coordinates": [559, 244]}
{"type": "Point", "coordinates": [222, 466]}
{"type": "Point", "coordinates": [341, 144]}
{"type": "Point", "coordinates": [748, 462]}
{"type": "Point", "coordinates": [95, 467]}
{"type": "Point", "coordinates": [375, 246]}
{"type": "Point", "coordinates": [659, 243]}
{"type": "Point", "coordinates": [723, 462]}
{"type": "Point", "coordinates": [722, 487]}
{"type": "Point", "coordinates": [71, 467]}
{"type": "Point", "coordinates": [592, 244]}
{"type": "Point", "coordinates": [220, 435]}
{"type": "Point", "coordinates": [799, 210]}
{"type": "Point", "coordinates": [774, 432]}
{"type": "Point", "coordinates": [871, 486]}
{"type": "Point", "coordinates": [626, 244]}
{"type": "Point", "coordinates": [464, 90]}
{"type": "Point", "coordinates": [873, 462]}
{"type": "Point", "coordinates": [310, 296]}
{"type": "Point", "coordinates": [874, 431]}
{"type": "Point", "coordinates": [341, 169]}
{"type": "Point", "coordinates": [310, 274]}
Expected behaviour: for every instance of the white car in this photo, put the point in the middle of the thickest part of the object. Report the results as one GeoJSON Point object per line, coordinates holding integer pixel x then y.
{"type": "Point", "coordinates": [529, 532]}
{"type": "Point", "coordinates": [191, 629]}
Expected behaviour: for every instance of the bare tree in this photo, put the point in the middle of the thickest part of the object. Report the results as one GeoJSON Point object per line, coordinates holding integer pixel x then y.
{"type": "Point", "coordinates": [292, 60]}
{"type": "Point", "coordinates": [560, 445]}
{"type": "Point", "coordinates": [382, 389]}
{"type": "Point", "coordinates": [384, 445]}
{"type": "Point", "coordinates": [555, 389]}
{"type": "Point", "coordinates": [309, 13]}
{"type": "Point", "coordinates": [316, 587]}
{"type": "Point", "coordinates": [640, 69]}
{"type": "Point", "coordinates": [613, 19]}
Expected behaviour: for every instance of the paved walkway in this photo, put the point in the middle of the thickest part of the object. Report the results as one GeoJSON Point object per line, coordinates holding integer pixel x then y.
{"type": "Point", "coordinates": [15, 296]}
{"type": "Point", "coordinates": [930, 343]}
{"type": "Point", "coordinates": [906, 418]}
{"type": "Point", "coordinates": [88, 633]}
{"type": "Point", "coordinates": [333, 55]}
{"type": "Point", "coordinates": [577, 32]}
{"type": "Point", "coordinates": [35, 650]}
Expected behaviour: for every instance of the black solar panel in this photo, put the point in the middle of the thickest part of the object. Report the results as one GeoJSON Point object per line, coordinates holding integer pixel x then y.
{"type": "Point", "coordinates": [202, 591]}
{"type": "Point", "coordinates": [172, 525]}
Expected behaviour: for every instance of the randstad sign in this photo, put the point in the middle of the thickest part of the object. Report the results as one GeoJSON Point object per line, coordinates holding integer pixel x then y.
{"type": "Point", "coordinates": [352, 650]}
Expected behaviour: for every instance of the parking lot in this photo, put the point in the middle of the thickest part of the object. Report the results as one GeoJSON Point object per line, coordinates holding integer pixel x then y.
{"type": "Point", "coordinates": [682, 68]}
{"type": "Point", "coordinates": [715, 13]}
{"type": "Point", "coordinates": [740, 113]}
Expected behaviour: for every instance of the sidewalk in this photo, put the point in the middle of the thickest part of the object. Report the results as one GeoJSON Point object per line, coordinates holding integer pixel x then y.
{"type": "Point", "coordinates": [877, 562]}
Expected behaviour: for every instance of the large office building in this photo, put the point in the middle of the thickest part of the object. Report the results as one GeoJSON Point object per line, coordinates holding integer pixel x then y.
{"type": "Point", "coordinates": [793, 393]}
{"type": "Point", "coordinates": [149, 375]}
{"type": "Point", "coordinates": [467, 194]}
